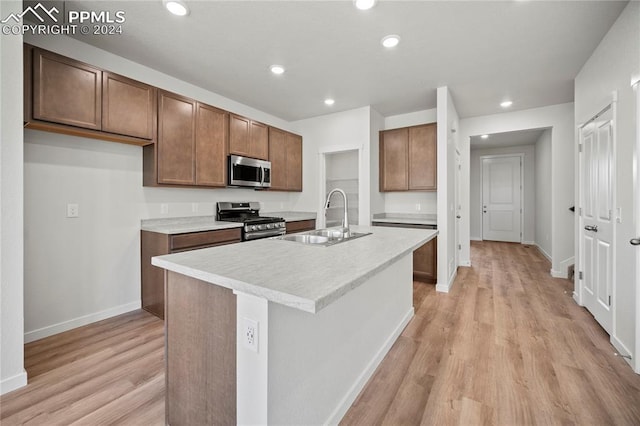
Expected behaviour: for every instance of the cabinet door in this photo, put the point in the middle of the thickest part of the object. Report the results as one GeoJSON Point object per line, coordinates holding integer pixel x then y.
{"type": "Point", "coordinates": [278, 158]}
{"type": "Point", "coordinates": [176, 135]}
{"type": "Point", "coordinates": [294, 161]}
{"type": "Point", "coordinates": [212, 132]}
{"type": "Point", "coordinates": [128, 106]}
{"type": "Point", "coordinates": [423, 158]}
{"type": "Point", "coordinates": [66, 91]}
{"type": "Point", "coordinates": [393, 160]}
{"type": "Point", "coordinates": [239, 135]}
{"type": "Point", "coordinates": [425, 262]}
{"type": "Point", "coordinates": [258, 140]}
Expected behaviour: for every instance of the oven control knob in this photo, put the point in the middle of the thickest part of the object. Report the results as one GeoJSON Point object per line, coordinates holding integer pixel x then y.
{"type": "Point", "coordinates": [253, 228]}
{"type": "Point", "coordinates": [270, 226]}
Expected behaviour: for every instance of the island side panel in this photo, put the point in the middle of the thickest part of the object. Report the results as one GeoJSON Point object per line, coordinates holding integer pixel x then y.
{"type": "Point", "coordinates": [319, 363]}
{"type": "Point", "coordinates": [200, 335]}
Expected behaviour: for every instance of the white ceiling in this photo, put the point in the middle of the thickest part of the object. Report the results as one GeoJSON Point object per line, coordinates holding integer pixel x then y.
{"type": "Point", "coordinates": [520, 137]}
{"type": "Point", "coordinates": [527, 51]}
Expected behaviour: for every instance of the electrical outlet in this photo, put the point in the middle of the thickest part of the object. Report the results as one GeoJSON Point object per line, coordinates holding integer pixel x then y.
{"type": "Point", "coordinates": [418, 207]}
{"type": "Point", "coordinates": [250, 334]}
{"type": "Point", "coordinates": [164, 208]}
{"type": "Point", "coordinates": [73, 210]}
{"type": "Point", "coordinates": [194, 207]}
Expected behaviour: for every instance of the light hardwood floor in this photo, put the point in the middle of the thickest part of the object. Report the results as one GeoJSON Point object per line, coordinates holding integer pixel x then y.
{"type": "Point", "coordinates": [507, 346]}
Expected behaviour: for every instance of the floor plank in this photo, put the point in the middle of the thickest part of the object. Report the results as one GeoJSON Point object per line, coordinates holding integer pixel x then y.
{"type": "Point", "coordinates": [507, 346]}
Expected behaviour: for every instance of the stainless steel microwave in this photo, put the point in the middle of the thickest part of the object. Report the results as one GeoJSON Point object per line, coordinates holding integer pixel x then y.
{"type": "Point", "coordinates": [244, 171]}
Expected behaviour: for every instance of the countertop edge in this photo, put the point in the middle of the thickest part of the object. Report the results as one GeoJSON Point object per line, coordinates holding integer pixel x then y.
{"type": "Point", "coordinates": [285, 299]}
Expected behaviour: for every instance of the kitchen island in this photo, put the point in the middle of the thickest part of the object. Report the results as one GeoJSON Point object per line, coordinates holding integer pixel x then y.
{"type": "Point", "coordinates": [278, 332]}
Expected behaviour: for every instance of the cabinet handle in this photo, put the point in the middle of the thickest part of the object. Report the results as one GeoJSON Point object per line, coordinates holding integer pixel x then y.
{"type": "Point", "coordinates": [593, 228]}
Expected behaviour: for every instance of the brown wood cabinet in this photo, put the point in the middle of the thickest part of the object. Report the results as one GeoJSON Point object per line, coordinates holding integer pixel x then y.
{"type": "Point", "coordinates": [408, 159]}
{"type": "Point", "coordinates": [192, 144]}
{"type": "Point", "coordinates": [248, 138]}
{"type": "Point", "coordinates": [67, 96]}
{"type": "Point", "coordinates": [285, 155]}
{"type": "Point", "coordinates": [128, 106]}
{"type": "Point", "coordinates": [156, 244]}
{"type": "Point", "coordinates": [425, 261]}
{"type": "Point", "coordinates": [66, 91]}
{"type": "Point", "coordinates": [300, 226]}
{"type": "Point", "coordinates": [176, 139]}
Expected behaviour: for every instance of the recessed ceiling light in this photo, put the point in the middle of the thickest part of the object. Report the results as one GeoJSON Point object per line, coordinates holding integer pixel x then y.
{"type": "Point", "coordinates": [364, 4]}
{"type": "Point", "coordinates": [329, 101]}
{"type": "Point", "coordinates": [176, 7]}
{"type": "Point", "coordinates": [390, 40]}
{"type": "Point", "coordinates": [277, 69]}
{"type": "Point", "coordinates": [506, 104]}
{"type": "Point", "coordinates": [485, 136]}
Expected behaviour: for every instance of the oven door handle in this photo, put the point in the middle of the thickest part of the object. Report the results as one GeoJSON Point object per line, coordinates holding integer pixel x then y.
{"type": "Point", "coordinates": [266, 233]}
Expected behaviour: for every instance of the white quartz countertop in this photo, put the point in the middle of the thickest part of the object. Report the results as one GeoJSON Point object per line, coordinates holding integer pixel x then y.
{"type": "Point", "coordinates": [304, 277]}
{"type": "Point", "coordinates": [409, 219]}
{"type": "Point", "coordinates": [182, 225]}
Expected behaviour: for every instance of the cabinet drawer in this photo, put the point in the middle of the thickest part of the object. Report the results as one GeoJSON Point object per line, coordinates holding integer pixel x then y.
{"type": "Point", "coordinates": [300, 226]}
{"type": "Point", "coordinates": [206, 238]}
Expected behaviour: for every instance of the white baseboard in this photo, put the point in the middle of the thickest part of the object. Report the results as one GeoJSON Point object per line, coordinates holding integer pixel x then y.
{"type": "Point", "coordinates": [445, 288]}
{"type": "Point", "coordinates": [622, 350]}
{"type": "Point", "coordinates": [475, 239]}
{"type": "Point", "coordinates": [544, 253]}
{"type": "Point", "coordinates": [60, 327]}
{"type": "Point", "coordinates": [558, 274]}
{"type": "Point", "coordinates": [529, 243]}
{"type": "Point", "coordinates": [465, 263]}
{"type": "Point", "coordinates": [362, 380]}
{"type": "Point", "coordinates": [12, 383]}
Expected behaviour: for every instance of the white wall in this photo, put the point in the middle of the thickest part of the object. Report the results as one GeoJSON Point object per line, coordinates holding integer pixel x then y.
{"type": "Point", "coordinates": [12, 373]}
{"type": "Point", "coordinates": [543, 190]}
{"type": "Point", "coordinates": [377, 200]}
{"type": "Point", "coordinates": [81, 270]}
{"type": "Point", "coordinates": [333, 133]}
{"type": "Point", "coordinates": [560, 119]}
{"type": "Point", "coordinates": [609, 69]}
{"type": "Point", "coordinates": [528, 191]}
{"type": "Point", "coordinates": [448, 130]}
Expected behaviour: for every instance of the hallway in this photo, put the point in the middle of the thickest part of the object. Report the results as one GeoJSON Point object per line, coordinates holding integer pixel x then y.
{"type": "Point", "coordinates": [507, 346]}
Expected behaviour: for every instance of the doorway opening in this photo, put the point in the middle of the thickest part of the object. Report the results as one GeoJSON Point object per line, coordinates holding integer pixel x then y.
{"type": "Point", "coordinates": [341, 170]}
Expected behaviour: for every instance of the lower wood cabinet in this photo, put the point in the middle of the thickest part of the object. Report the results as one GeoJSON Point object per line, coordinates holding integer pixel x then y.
{"type": "Point", "coordinates": [425, 262]}
{"type": "Point", "coordinates": [156, 244]}
{"type": "Point", "coordinates": [301, 226]}
{"type": "Point", "coordinates": [425, 258]}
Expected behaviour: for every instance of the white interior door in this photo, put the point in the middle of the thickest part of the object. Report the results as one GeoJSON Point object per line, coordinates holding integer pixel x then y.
{"type": "Point", "coordinates": [635, 241]}
{"type": "Point", "coordinates": [501, 199]}
{"type": "Point", "coordinates": [596, 183]}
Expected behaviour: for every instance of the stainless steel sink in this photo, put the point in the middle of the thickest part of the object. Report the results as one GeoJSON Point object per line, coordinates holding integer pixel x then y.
{"type": "Point", "coordinates": [323, 237]}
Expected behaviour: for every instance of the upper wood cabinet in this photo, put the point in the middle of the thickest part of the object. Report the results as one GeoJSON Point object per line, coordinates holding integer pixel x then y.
{"type": "Point", "coordinates": [128, 106]}
{"type": "Point", "coordinates": [67, 96]}
{"type": "Point", "coordinates": [192, 144]}
{"type": "Point", "coordinates": [285, 155]}
{"type": "Point", "coordinates": [212, 135]}
{"type": "Point", "coordinates": [248, 138]}
{"type": "Point", "coordinates": [408, 159]}
{"type": "Point", "coordinates": [176, 139]}
{"type": "Point", "coordinates": [294, 162]}
{"type": "Point", "coordinates": [66, 91]}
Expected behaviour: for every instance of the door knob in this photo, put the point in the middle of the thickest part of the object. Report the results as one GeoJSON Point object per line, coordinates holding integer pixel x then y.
{"type": "Point", "coordinates": [458, 217]}
{"type": "Point", "coordinates": [593, 228]}
{"type": "Point", "coordinates": [635, 241]}
{"type": "Point", "coordinates": [484, 211]}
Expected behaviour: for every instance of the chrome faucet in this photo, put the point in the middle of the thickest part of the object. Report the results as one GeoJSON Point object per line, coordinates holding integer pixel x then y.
{"type": "Point", "coordinates": [345, 219]}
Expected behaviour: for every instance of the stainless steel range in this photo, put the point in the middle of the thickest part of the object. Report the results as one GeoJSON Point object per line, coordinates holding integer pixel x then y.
{"type": "Point", "coordinates": [255, 226]}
